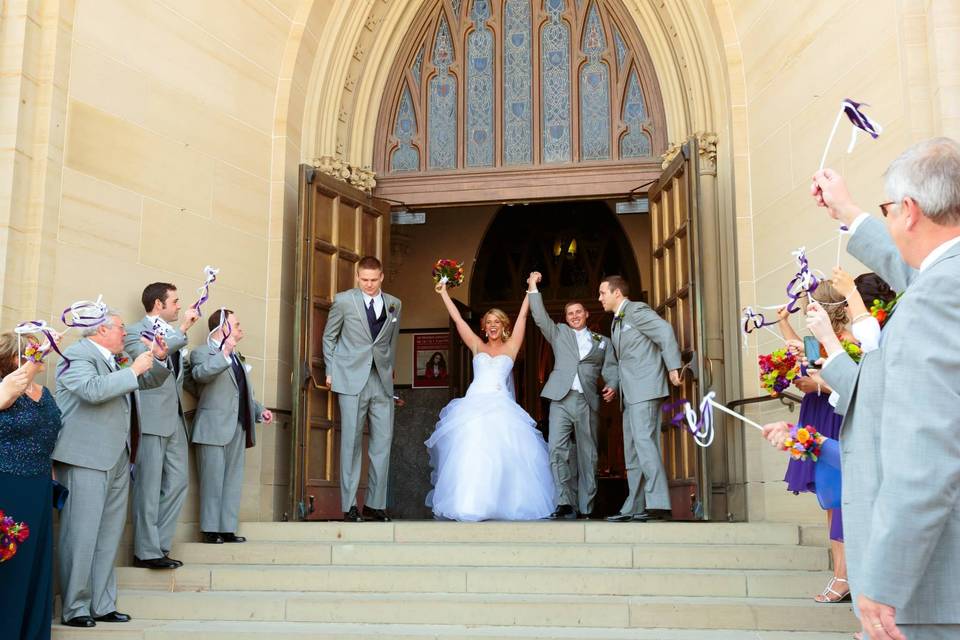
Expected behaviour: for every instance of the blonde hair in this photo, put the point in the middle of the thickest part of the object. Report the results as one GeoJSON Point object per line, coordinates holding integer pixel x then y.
{"type": "Point", "coordinates": [10, 354]}
{"type": "Point", "coordinates": [504, 320]}
{"type": "Point", "coordinates": [834, 303]}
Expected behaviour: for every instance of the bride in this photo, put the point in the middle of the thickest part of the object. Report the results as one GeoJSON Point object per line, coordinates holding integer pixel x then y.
{"type": "Point", "coordinates": [489, 460]}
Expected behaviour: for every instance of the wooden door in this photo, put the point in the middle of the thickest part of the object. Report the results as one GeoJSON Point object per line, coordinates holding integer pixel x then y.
{"type": "Point", "coordinates": [675, 295]}
{"type": "Point", "coordinates": [338, 225]}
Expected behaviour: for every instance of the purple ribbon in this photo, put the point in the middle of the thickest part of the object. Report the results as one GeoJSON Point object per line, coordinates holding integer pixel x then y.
{"type": "Point", "coordinates": [859, 119]}
{"type": "Point", "coordinates": [804, 283]}
{"type": "Point", "coordinates": [210, 273]}
{"type": "Point", "coordinates": [79, 310]}
{"type": "Point", "coordinates": [154, 334]}
{"type": "Point", "coordinates": [38, 326]}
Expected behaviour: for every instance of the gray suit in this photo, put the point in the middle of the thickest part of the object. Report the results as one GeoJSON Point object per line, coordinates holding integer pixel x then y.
{"type": "Point", "coordinates": [646, 348]}
{"type": "Point", "coordinates": [900, 446]}
{"type": "Point", "coordinates": [160, 483]}
{"type": "Point", "coordinates": [222, 432]}
{"type": "Point", "coordinates": [573, 413]}
{"type": "Point", "coordinates": [101, 410]}
{"type": "Point", "coordinates": [361, 372]}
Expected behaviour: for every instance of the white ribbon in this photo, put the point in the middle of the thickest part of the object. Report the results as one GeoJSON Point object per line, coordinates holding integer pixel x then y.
{"type": "Point", "coordinates": [701, 428]}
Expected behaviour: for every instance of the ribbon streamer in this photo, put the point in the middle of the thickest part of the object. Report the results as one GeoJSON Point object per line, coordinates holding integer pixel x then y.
{"type": "Point", "coordinates": [860, 122]}
{"type": "Point", "coordinates": [702, 427]}
{"type": "Point", "coordinates": [225, 326]}
{"type": "Point", "coordinates": [31, 327]}
{"type": "Point", "coordinates": [85, 314]}
{"type": "Point", "coordinates": [210, 276]}
{"type": "Point", "coordinates": [157, 332]}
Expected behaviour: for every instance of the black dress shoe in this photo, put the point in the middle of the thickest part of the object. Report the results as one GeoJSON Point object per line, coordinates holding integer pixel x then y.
{"type": "Point", "coordinates": [584, 516]}
{"type": "Point", "coordinates": [352, 516]}
{"type": "Point", "coordinates": [84, 622]}
{"type": "Point", "coordinates": [231, 537]}
{"type": "Point", "coordinates": [166, 554]}
{"type": "Point", "coordinates": [380, 515]}
{"type": "Point", "coordinates": [563, 512]}
{"type": "Point", "coordinates": [620, 517]}
{"type": "Point", "coordinates": [211, 537]}
{"type": "Point", "coordinates": [155, 563]}
{"type": "Point", "coordinates": [652, 515]}
{"type": "Point", "coordinates": [113, 616]}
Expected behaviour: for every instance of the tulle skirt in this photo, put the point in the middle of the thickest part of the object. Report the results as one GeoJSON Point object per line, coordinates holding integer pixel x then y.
{"type": "Point", "coordinates": [489, 462]}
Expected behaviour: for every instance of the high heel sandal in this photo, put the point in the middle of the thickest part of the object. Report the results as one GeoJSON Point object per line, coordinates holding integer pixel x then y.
{"type": "Point", "coordinates": [832, 596]}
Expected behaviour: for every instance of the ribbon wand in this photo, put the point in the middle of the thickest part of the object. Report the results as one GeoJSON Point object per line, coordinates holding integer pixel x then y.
{"type": "Point", "coordinates": [210, 276]}
{"type": "Point", "coordinates": [701, 427]}
{"type": "Point", "coordinates": [858, 119]}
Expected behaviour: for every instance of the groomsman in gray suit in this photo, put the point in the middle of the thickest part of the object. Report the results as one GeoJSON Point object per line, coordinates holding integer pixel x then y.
{"type": "Point", "coordinates": [359, 351]}
{"type": "Point", "coordinates": [160, 481]}
{"type": "Point", "coordinates": [579, 357]}
{"type": "Point", "coordinates": [900, 439]}
{"type": "Point", "coordinates": [646, 350]}
{"type": "Point", "coordinates": [98, 395]}
{"type": "Point", "coordinates": [223, 426]}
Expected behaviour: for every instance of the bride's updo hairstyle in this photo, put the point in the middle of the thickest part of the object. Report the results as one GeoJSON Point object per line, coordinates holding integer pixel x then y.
{"type": "Point", "coordinates": [504, 320]}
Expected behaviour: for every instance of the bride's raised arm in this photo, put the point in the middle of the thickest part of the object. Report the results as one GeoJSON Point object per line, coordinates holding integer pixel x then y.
{"type": "Point", "coordinates": [519, 327]}
{"type": "Point", "coordinates": [466, 333]}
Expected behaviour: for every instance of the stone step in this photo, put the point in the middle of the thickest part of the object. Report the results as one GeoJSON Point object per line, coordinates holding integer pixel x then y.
{"type": "Point", "coordinates": [190, 630]}
{"type": "Point", "coordinates": [577, 531]}
{"type": "Point", "coordinates": [612, 612]}
{"type": "Point", "coordinates": [493, 580]}
{"type": "Point", "coordinates": [687, 556]}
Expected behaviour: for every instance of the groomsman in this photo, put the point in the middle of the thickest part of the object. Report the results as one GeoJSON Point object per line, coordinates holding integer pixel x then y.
{"type": "Point", "coordinates": [359, 351]}
{"type": "Point", "coordinates": [98, 395]}
{"type": "Point", "coordinates": [160, 482]}
{"type": "Point", "coordinates": [579, 356]}
{"type": "Point", "coordinates": [646, 350]}
{"type": "Point", "coordinates": [224, 425]}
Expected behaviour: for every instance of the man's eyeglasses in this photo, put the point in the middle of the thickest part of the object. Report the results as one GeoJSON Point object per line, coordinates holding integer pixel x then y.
{"type": "Point", "coordinates": [884, 207]}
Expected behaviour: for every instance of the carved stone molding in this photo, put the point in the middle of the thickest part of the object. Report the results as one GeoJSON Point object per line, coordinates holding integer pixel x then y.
{"type": "Point", "coordinates": [363, 179]}
{"type": "Point", "coordinates": [706, 147]}
{"type": "Point", "coordinates": [707, 144]}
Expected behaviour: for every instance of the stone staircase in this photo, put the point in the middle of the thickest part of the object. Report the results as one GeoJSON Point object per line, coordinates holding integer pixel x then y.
{"type": "Point", "coordinates": [443, 580]}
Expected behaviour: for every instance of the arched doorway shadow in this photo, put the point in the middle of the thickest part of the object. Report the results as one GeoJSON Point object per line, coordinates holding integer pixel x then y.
{"type": "Point", "coordinates": [574, 245]}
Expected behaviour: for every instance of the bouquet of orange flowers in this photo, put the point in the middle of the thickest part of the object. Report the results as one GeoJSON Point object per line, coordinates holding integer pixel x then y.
{"type": "Point", "coordinates": [804, 443]}
{"type": "Point", "coordinates": [12, 534]}
{"type": "Point", "coordinates": [448, 272]}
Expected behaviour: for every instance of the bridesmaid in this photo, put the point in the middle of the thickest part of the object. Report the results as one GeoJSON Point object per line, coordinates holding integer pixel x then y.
{"type": "Point", "coordinates": [29, 425]}
{"type": "Point", "coordinates": [816, 410]}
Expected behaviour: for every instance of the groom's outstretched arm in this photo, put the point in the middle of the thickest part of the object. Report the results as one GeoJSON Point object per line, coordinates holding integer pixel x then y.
{"type": "Point", "coordinates": [540, 316]}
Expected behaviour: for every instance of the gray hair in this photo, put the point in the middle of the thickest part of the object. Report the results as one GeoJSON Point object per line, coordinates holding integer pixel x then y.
{"type": "Point", "coordinates": [929, 173]}
{"type": "Point", "coordinates": [108, 323]}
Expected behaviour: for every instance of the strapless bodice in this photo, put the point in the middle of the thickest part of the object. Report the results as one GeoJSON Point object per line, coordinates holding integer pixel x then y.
{"type": "Point", "coordinates": [491, 374]}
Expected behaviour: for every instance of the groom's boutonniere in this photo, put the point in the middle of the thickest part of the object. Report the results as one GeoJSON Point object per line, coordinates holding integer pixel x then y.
{"type": "Point", "coordinates": [122, 361]}
{"type": "Point", "coordinates": [392, 309]}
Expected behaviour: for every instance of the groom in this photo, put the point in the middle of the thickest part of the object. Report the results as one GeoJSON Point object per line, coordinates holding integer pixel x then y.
{"type": "Point", "coordinates": [579, 355]}
{"type": "Point", "coordinates": [359, 351]}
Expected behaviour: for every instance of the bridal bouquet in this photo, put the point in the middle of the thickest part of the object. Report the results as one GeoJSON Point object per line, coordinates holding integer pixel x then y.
{"type": "Point", "coordinates": [777, 371]}
{"type": "Point", "coordinates": [448, 272]}
{"type": "Point", "coordinates": [804, 443]}
{"type": "Point", "coordinates": [11, 534]}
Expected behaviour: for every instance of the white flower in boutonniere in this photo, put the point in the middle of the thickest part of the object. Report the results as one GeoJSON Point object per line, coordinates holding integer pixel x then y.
{"type": "Point", "coordinates": [619, 316]}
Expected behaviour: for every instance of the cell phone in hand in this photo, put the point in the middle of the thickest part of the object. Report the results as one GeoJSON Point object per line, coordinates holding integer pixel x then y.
{"type": "Point", "coordinates": [811, 348]}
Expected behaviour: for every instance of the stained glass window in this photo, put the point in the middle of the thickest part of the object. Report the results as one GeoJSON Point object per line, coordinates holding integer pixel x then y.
{"type": "Point", "coordinates": [469, 98]}
{"type": "Point", "coordinates": [442, 118]}
{"type": "Point", "coordinates": [555, 84]}
{"type": "Point", "coordinates": [480, 134]}
{"type": "Point", "coordinates": [635, 143]}
{"type": "Point", "coordinates": [517, 81]}
{"type": "Point", "coordinates": [594, 92]}
{"type": "Point", "coordinates": [405, 157]}
{"type": "Point", "coordinates": [417, 68]}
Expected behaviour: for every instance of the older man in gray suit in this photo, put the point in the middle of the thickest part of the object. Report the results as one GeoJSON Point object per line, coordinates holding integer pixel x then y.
{"type": "Point", "coordinates": [98, 395]}
{"type": "Point", "coordinates": [646, 350]}
{"type": "Point", "coordinates": [359, 350]}
{"type": "Point", "coordinates": [900, 439]}
{"type": "Point", "coordinates": [160, 482]}
{"type": "Point", "coordinates": [223, 426]}
{"type": "Point", "coordinates": [579, 356]}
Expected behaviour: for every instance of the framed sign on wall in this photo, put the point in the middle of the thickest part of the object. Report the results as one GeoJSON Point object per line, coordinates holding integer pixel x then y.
{"type": "Point", "coordinates": [431, 351]}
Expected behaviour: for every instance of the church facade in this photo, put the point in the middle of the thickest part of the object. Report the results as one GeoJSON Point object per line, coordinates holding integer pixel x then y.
{"type": "Point", "coordinates": [275, 139]}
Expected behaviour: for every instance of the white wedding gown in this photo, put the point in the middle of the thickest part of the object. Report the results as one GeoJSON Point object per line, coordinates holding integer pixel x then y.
{"type": "Point", "coordinates": [489, 460]}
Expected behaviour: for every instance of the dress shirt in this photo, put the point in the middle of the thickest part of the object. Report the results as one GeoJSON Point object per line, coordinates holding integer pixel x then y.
{"type": "Point", "coordinates": [584, 344]}
{"type": "Point", "coordinates": [377, 303]}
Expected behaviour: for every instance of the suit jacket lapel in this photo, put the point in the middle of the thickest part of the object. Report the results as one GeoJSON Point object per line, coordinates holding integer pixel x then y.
{"type": "Point", "coordinates": [361, 310]}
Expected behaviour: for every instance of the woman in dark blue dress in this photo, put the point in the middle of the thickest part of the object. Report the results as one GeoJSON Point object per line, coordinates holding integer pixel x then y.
{"type": "Point", "coordinates": [29, 425]}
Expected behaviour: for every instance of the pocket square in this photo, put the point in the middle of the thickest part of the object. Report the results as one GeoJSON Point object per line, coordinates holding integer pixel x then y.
{"type": "Point", "coordinates": [603, 345]}
{"type": "Point", "coordinates": [393, 319]}
{"type": "Point", "coordinates": [626, 326]}
{"type": "Point", "coordinates": [248, 367]}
